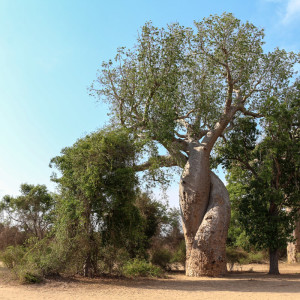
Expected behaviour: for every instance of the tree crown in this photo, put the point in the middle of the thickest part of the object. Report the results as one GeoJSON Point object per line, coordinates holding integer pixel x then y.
{"type": "Point", "coordinates": [178, 85]}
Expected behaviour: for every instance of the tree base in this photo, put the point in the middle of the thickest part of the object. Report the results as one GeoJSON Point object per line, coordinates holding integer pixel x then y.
{"type": "Point", "coordinates": [208, 254]}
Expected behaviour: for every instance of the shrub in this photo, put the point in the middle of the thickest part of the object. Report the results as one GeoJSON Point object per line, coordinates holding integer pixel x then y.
{"type": "Point", "coordinates": [24, 267]}
{"type": "Point", "coordinates": [32, 278]}
{"type": "Point", "coordinates": [179, 256]}
{"type": "Point", "coordinates": [162, 258]}
{"type": "Point", "coordinates": [28, 274]}
{"type": "Point", "coordinates": [239, 256]}
{"type": "Point", "coordinates": [112, 260]}
{"type": "Point", "coordinates": [141, 268]}
{"type": "Point", "coordinates": [235, 256]}
{"type": "Point", "coordinates": [259, 257]}
{"type": "Point", "coordinates": [12, 256]}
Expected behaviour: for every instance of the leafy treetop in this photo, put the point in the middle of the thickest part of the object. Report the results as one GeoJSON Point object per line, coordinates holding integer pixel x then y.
{"type": "Point", "coordinates": [178, 86]}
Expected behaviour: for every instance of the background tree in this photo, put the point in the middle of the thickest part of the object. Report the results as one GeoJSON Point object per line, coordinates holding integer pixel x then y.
{"type": "Point", "coordinates": [181, 90]}
{"type": "Point", "coordinates": [32, 211]}
{"type": "Point", "coordinates": [267, 168]}
{"type": "Point", "coordinates": [162, 229]}
{"type": "Point", "coordinates": [10, 236]}
{"type": "Point", "coordinates": [98, 188]}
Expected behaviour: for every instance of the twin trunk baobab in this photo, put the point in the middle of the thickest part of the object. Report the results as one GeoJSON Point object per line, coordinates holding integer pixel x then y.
{"type": "Point", "coordinates": [182, 89]}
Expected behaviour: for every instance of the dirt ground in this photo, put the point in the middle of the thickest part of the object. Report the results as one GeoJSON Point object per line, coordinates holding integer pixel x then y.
{"type": "Point", "coordinates": [246, 282]}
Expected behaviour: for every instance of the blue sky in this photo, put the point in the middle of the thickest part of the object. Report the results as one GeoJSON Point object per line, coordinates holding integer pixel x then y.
{"type": "Point", "coordinates": [49, 54]}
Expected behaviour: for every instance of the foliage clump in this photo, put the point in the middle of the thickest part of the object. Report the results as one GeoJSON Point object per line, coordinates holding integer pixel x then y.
{"type": "Point", "coordinates": [264, 176]}
{"type": "Point", "coordinates": [141, 268]}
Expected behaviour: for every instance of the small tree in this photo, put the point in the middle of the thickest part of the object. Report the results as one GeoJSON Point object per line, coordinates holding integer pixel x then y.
{"type": "Point", "coordinates": [267, 169]}
{"type": "Point", "coordinates": [32, 211]}
{"type": "Point", "coordinates": [98, 191]}
{"type": "Point", "coordinates": [11, 236]}
{"type": "Point", "coordinates": [180, 90]}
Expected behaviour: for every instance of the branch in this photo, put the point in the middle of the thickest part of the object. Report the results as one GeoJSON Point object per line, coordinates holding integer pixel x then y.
{"type": "Point", "coordinates": [183, 136]}
{"type": "Point", "coordinates": [120, 100]}
{"type": "Point", "coordinates": [247, 166]}
{"type": "Point", "coordinates": [201, 133]}
{"type": "Point", "coordinates": [230, 127]}
{"type": "Point", "coordinates": [159, 161]}
{"type": "Point", "coordinates": [180, 144]}
{"type": "Point", "coordinates": [212, 135]}
{"type": "Point", "coordinates": [212, 57]}
{"type": "Point", "coordinates": [249, 113]}
{"type": "Point", "coordinates": [253, 90]}
{"type": "Point", "coordinates": [187, 115]}
{"type": "Point", "coordinates": [145, 116]}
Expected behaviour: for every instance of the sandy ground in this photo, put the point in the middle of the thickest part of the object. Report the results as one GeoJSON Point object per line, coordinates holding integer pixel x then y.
{"type": "Point", "coordinates": [246, 282]}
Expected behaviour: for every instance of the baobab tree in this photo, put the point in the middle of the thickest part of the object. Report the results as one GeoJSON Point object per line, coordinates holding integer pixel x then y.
{"type": "Point", "coordinates": [181, 89]}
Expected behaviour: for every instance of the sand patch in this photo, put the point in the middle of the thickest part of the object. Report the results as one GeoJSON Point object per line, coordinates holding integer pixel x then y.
{"type": "Point", "coordinates": [249, 282]}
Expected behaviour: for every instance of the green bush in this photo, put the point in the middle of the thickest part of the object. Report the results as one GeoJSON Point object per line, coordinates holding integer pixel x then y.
{"type": "Point", "coordinates": [27, 274]}
{"type": "Point", "coordinates": [12, 256]}
{"type": "Point", "coordinates": [259, 257]}
{"type": "Point", "coordinates": [162, 258]}
{"type": "Point", "coordinates": [141, 268]}
{"type": "Point", "coordinates": [112, 260]}
{"type": "Point", "coordinates": [179, 256]}
{"type": "Point", "coordinates": [239, 256]}
{"type": "Point", "coordinates": [32, 278]}
{"type": "Point", "coordinates": [235, 256]}
{"type": "Point", "coordinates": [24, 267]}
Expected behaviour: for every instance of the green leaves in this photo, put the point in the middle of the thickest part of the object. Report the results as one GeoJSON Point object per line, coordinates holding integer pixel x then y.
{"type": "Point", "coordinates": [32, 211]}
{"type": "Point", "coordinates": [264, 172]}
{"type": "Point", "coordinates": [176, 83]}
{"type": "Point", "coordinates": [97, 165]}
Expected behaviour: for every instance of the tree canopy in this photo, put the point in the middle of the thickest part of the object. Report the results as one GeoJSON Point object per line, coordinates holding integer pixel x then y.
{"type": "Point", "coordinates": [264, 169]}
{"type": "Point", "coordinates": [182, 89]}
{"type": "Point", "coordinates": [178, 84]}
{"type": "Point", "coordinates": [32, 211]}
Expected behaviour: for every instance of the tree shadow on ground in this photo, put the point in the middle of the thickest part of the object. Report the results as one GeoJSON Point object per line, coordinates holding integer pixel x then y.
{"type": "Point", "coordinates": [234, 281]}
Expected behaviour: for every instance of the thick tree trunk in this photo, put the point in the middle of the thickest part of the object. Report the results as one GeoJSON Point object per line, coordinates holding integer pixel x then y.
{"type": "Point", "coordinates": [273, 270]}
{"type": "Point", "coordinates": [205, 209]}
{"type": "Point", "coordinates": [291, 253]}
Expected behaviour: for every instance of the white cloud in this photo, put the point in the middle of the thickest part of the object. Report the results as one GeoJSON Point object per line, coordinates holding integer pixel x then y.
{"type": "Point", "coordinates": [287, 10]}
{"type": "Point", "coordinates": [292, 11]}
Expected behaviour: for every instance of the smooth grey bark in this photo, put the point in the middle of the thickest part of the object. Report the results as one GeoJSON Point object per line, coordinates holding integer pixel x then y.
{"type": "Point", "coordinates": [205, 209]}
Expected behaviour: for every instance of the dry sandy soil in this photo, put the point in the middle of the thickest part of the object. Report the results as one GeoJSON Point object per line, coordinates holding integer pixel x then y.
{"type": "Point", "coordinates": [246, 282]}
